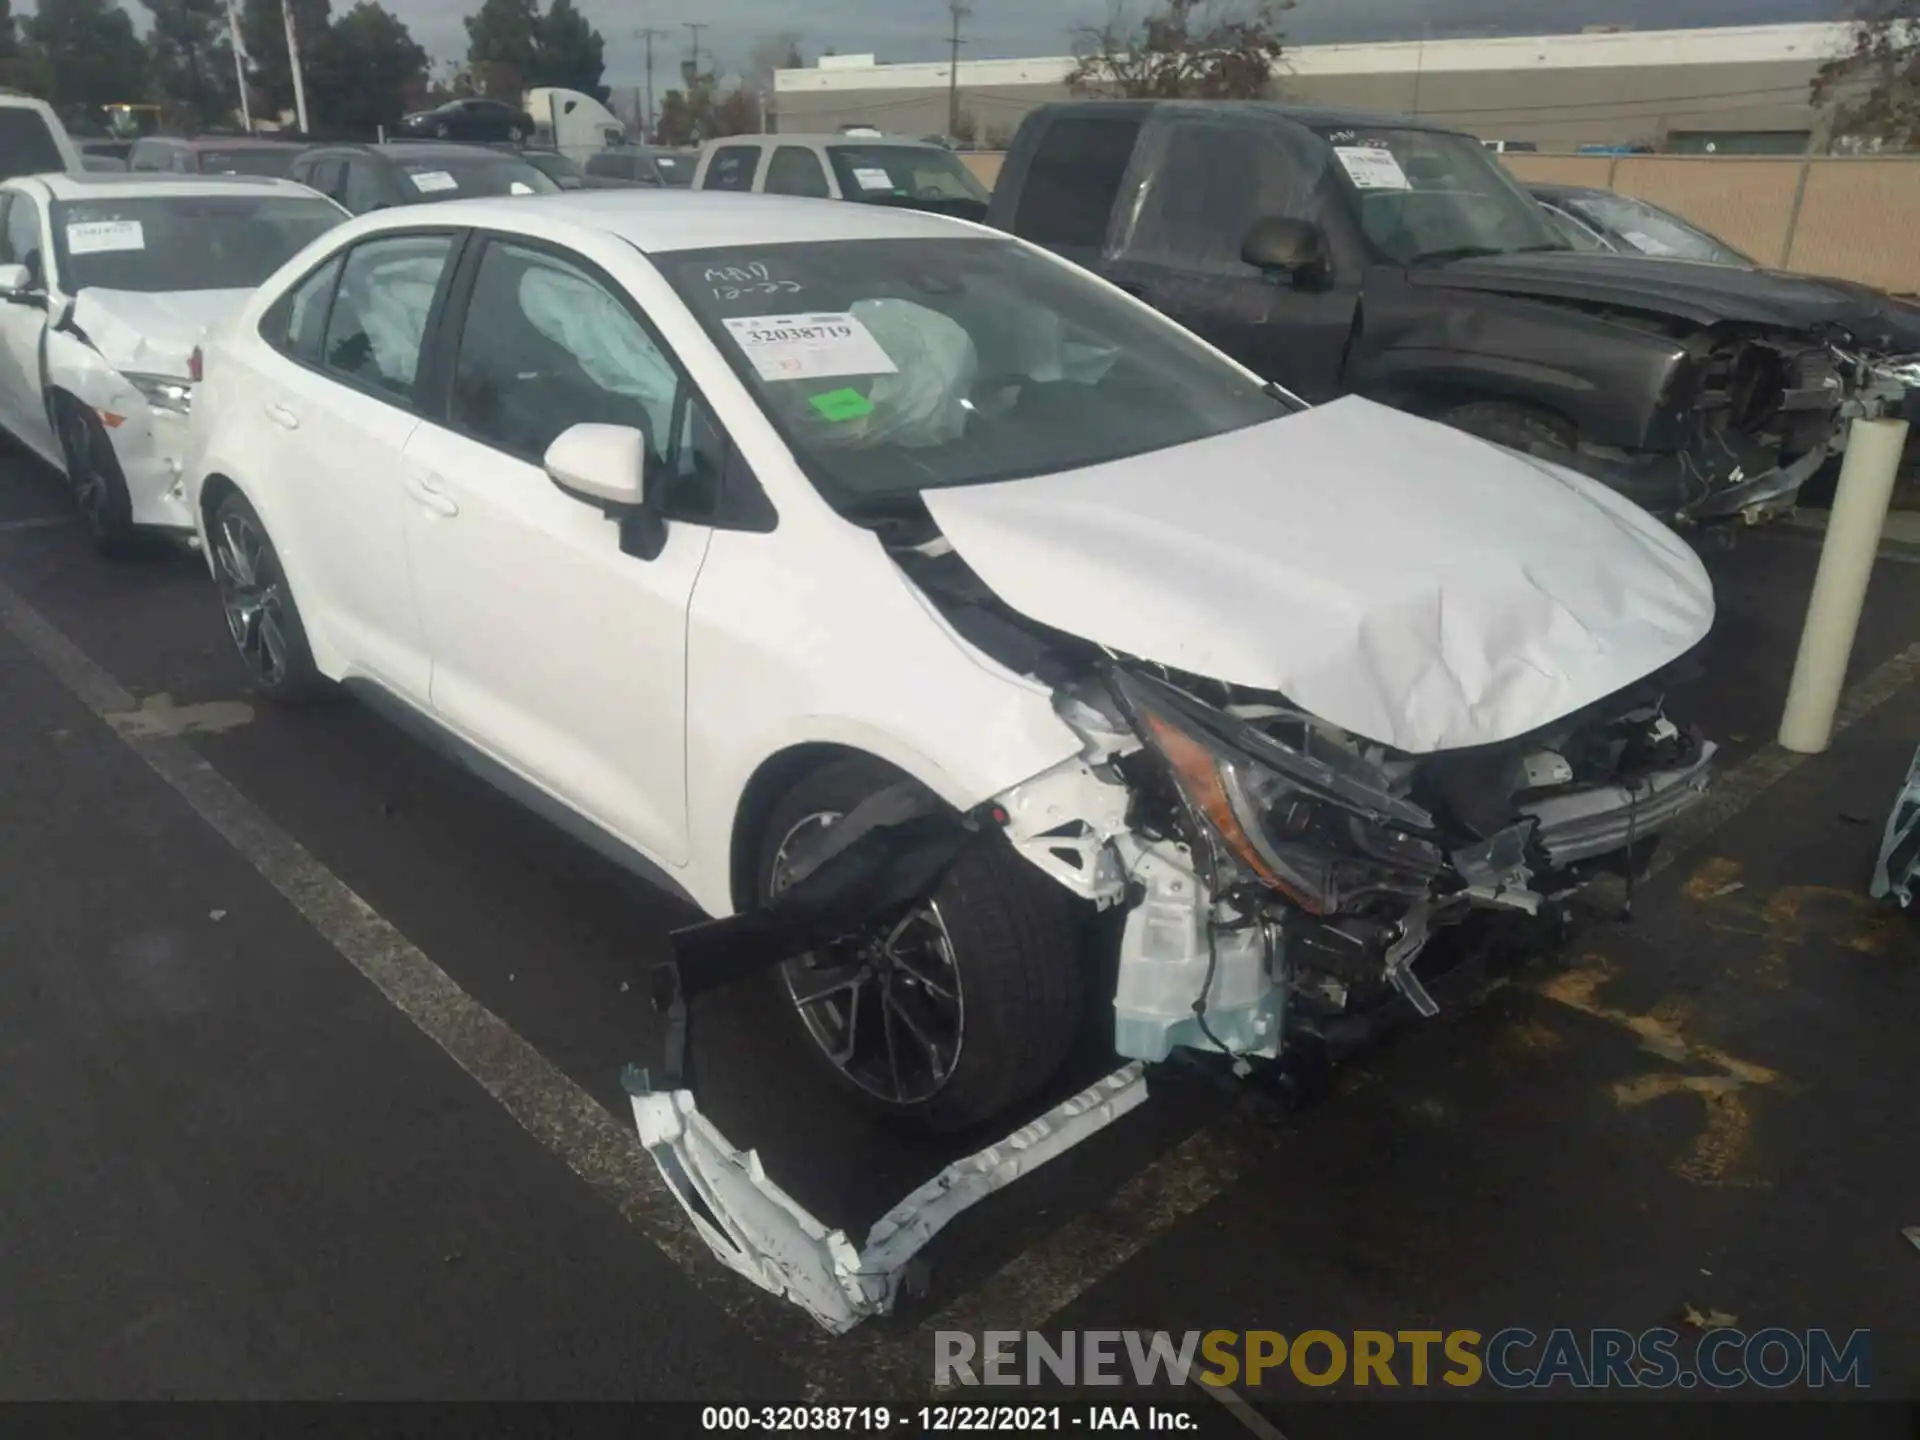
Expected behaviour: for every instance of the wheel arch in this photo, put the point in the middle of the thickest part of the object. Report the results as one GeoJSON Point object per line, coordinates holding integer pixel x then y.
{"type": "Point", "coordinates": [773, 778]}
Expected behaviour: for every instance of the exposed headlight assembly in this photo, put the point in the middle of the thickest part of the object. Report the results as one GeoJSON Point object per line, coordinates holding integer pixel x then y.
{"type": "Point", "coordinates": [1323, 828]}
{"type": "Point", "coordinates": [162, 392]}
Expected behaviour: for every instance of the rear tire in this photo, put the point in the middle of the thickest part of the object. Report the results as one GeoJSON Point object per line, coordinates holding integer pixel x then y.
{"type": "Point", "coordinates": [261, 615]}
{"type": "Point", "coordinates": [1001, 938]}
{"type": "Point", "coordinates": [93, 473]}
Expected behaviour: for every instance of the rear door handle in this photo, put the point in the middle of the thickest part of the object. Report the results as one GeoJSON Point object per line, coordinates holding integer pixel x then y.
{"type": "Point", "coordinates": [438, 501]}
{"type": "Point", "coordinates": [283, 417]}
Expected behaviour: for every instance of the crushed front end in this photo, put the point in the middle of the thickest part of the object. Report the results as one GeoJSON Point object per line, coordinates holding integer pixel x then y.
{"type": "Point", "coordinates": [1278, 874]}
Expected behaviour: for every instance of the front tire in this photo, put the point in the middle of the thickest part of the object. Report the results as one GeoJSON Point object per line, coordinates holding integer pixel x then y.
{"type": "Point", "coordinates": [966, 1006]}
{"type": "Point", "coordinates": [93, 472]}
{"type": "Point", "coordinates": [261, 615]}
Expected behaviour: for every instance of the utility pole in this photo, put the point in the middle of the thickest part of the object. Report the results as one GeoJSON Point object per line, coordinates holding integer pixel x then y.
{"type": "Point", "coordinates": [959, 12]}
{"type": "Point", "coordinates": [239, 65]}
{"type": "Point", "coordinates": [293, 64]}
{"type": "Point", "coordinates": [649, 34]}
{"type": "Point", "coordinates": [696, 28]}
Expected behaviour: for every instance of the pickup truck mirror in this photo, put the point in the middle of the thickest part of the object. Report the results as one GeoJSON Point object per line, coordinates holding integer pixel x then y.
{"type": "Point", "coordinates": [1281, 243]}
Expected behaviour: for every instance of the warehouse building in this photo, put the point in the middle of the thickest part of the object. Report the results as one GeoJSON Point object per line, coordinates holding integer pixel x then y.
{"type": "Point", "coordinates": [1729, 90]}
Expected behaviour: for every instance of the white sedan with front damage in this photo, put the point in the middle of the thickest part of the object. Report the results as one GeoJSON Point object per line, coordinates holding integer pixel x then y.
{"type": "Point", "coordinates": [107, 283]}
{"type": "Point", "coordinates": [908, 598]}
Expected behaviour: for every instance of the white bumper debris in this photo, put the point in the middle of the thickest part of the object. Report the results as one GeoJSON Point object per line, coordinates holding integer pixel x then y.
{"type": "Point", "coordinates": [761, 1232]}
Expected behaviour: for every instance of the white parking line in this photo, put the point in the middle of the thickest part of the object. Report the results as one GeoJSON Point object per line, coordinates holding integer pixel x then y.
{"type": "Point", "coordinates": [604, 1150]}
{"type": "Point", "coordinates": [37, 522]}
{"type": "Point", "coordinates": [600, 1148]}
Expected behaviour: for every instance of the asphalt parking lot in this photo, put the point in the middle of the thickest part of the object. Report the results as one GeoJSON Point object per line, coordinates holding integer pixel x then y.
{"type": "Point", "coordinates": [240, 1170]}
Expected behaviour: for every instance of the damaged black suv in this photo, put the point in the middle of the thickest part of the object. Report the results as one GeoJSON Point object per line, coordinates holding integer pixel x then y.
{"type": "Point", "coordinates": [1340, 253]}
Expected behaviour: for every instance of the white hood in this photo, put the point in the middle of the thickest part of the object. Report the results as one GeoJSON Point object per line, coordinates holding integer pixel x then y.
{"type": "Point", "coordinates": [152, 334]}
{"type": "Point", "coordinates": [1397, 578]}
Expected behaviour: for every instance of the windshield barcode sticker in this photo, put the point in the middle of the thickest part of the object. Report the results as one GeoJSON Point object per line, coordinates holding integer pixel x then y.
{"type": "Point", "coordinates": [95, 237]}
{"type": "Point", "coordinates": [809, 347]}
{"type": "Point", "coordinates": [1372, 169]}
{"type": "Point", "coordinates": [427, 182]}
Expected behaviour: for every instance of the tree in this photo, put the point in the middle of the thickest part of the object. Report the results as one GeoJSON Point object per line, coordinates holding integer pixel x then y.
{"type": "Point", "coordinates": [1184, 49]}
{"type": "Point", "coordinates": [192, 59]}
{"type": "Point", "coordinates": [376, 65]}
{"type": "Point", "coordinates": [83, 53]}
{"type": "Point", "coordinates": [10, 68]}
{"type": "Point", "coordinates": [503, 36]}
{"type": "Point", "coordinates": [735, 112]}
{"type": "Point", "coordinates": [1873, 88]}
{"type": "Point", "coordinates": [569, 52]}
{"type": "Point", "coordinates": [680, 116]}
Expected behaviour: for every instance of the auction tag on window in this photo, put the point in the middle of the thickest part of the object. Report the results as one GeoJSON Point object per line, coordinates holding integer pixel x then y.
{"type": "Point", "coordinates": [428, 182]}
{"type": "Point", "coordinates": [1645, 243]}
{"type": "Point", "coordinates": [1372, 169]}
{"type": "Point", "coordinates": [809, 347]}
{"type": "Point", "coordinates": [873, 178]}
{"type": "Point", "coordinates": [94, 237]}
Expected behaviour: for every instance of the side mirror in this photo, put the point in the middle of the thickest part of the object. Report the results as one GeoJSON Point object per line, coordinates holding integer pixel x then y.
{"type": "Point", "coordinates": [1280, 244]}
{"type": "Point", "coordinates": [604, 465]}
{"type": "Point", "coordinates": [16, 282]}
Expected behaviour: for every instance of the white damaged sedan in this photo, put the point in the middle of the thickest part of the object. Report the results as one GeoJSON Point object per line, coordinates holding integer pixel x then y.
{"type": "Point", "coordinates": [107, 283]}
{"type": "Point", "coordinates": [908, 598]}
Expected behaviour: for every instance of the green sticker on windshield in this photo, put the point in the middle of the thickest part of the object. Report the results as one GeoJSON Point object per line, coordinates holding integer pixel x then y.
{"type": "Point", "coordinates": [848, 404]}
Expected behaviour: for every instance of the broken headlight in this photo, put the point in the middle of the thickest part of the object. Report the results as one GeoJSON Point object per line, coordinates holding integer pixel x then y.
{"type": "Point", "coordinates": [162, 392]}
{"type": "Point", "coordinates": [1319, 825]}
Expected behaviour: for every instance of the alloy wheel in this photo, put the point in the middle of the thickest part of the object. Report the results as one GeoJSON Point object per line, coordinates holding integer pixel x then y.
{"type": "Point", "coordinates": [885, 1008]}
{"type": "Point", "coordinates": [253, 594]}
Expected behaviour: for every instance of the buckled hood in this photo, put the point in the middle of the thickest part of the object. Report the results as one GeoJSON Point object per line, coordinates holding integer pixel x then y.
{"type": "Point", "coordinates": [152, 333]}
{"type": "Point", "coordinates": [1397, 578]}
{"type": "Point", "coordinates": [1704, 294]}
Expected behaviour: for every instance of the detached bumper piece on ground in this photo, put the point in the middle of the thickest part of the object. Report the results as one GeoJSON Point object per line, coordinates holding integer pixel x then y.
{"type": "Point", "coordinates": [1898, 871]}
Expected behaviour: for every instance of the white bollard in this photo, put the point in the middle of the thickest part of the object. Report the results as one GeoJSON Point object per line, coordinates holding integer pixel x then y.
{"type": "Point", "coordinates": [1840, 588]}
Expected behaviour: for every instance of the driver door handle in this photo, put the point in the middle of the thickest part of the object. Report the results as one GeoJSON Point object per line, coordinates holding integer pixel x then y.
{"type": "Point", "coordinates": [283, 417]}
{"type": "Point", "coordinates": [430, 498]}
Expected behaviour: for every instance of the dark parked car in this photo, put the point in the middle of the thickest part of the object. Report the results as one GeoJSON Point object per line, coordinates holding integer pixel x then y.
{"type": "Point", "coordinates": [372, 177]}
{"type": "Point", "coordinates": [676, 167]}
{"type": "Point", "coordinates": [214, 155]}
{"type": "Point", "coordinates": [1594, 219]}
{"type": "Point", "coordinates": [1337, 252]}
{"type": "Point", "coordinates": [106, 149]}
{"type": "Point", "coordinates": [565, 172]}
{"type": "Point", "coordinates": [469, 119]}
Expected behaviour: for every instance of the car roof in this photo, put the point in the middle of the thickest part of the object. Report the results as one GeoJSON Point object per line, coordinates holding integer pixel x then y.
{"type": "Point", "coordinates": [659, 222]}
{"type": "Point", "coordinates": [1254, 111]}
{"type": "Point", "coordinates": [93, 184]}
{"type": "Point", "coordinates": [785, 138]}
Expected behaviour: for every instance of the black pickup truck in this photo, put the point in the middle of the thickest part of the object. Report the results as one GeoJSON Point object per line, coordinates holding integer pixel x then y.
{"type": "Point", "coordinates": [1337, 252]}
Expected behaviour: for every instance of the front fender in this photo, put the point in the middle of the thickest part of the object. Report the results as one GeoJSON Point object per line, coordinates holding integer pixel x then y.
{"type": "Point", "coordinates": [1618, 384]}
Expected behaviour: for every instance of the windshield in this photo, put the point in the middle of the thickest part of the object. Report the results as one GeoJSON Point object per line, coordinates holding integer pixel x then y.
{"type": "Point", "coordinates": [454, 177]}
{"type": "Point", "coordinates": [275, 160]}
{"type": "Point", "coordinates": [187, 242]}
{"type": "Point", "coordinates": [27, 146]}
{"type": "Point", "coordinates": [895, 366]}
{"type": "Point", "coordinates": [882, 174]}
{"type": "Point", "coordinates": [1652, 231]}
{"type": "Point", "coordinates": [675, 170]}
{"type": "Point", "coordinates": [1424, 196]}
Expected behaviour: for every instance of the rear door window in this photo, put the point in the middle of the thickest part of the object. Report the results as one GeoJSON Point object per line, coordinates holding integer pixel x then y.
{"type": "Point", "coordinates": [27, 146]}
{"type": "Point", "coordinates": [378, 322]}
{"type": "Point", "coordinates": [796, 170]}
{"type": "Point", "coordinates": [733, 168]}
{"type": "Point", "coordinates": [1067, 194]}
